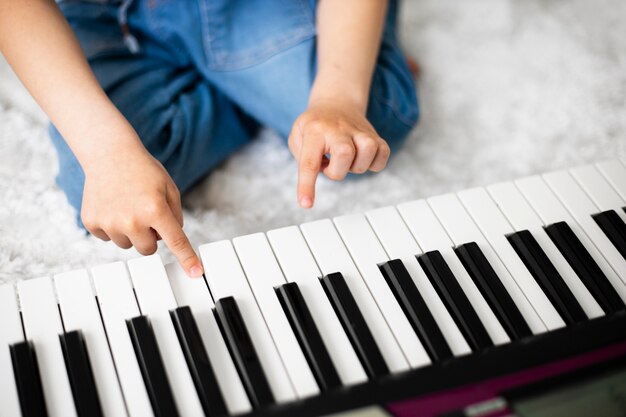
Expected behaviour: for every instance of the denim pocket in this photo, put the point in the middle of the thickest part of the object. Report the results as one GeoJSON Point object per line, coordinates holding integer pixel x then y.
{"type": "Point", "coordinates": [242, 33]}
{"type": "Point", "coordinates": [96, 26]}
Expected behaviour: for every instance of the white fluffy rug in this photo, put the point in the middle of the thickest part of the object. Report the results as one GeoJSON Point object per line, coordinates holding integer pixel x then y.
{"type": "Point", "coordinates": [509, 88]}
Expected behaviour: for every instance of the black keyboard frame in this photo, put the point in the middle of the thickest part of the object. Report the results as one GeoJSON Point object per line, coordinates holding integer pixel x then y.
{"type": "Point", "coordinates": [494, 362]}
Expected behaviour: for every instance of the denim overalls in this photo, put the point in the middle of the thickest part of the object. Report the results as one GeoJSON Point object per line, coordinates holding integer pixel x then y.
{"type": "Point", "coordinates": [196, 78]}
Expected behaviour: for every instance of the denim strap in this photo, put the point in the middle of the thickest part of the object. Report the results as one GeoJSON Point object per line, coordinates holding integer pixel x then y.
{"type": "Point", "coordinates": [122, 18]}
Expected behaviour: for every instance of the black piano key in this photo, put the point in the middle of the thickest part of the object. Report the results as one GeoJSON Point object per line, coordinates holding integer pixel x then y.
{"type": "Point", "coordinates": [455, 300]}
{"type": "Point", "coordinates": [198, 362]}
{"type": "Point", "coordinates": [585, 267]}
{"type": "Point", "coordinates": [151, 365]}
{"type": "Point", "coordinates": [80, 374]}
{"type": "Point", "coordinates": [492, 289]}
{"type": "Point", "coordinates": [416, 310]}
{"type": "Point", "coordinates": [547, 276]}
{"type": "Point", "coordinates": [614, 228]}
{"type": "Point", "coordinates": [242, 350]}
{"type": "Point", "coordinates": [28, 380]}
{"type": "Point", "coordinates": [308, 336]}
{"type": "Point", "coordinates": [354, 325]}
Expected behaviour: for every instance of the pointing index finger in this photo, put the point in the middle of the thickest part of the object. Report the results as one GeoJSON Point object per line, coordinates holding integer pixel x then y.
{"type": "Point", "coordinates": [172, 234]}
{"type": "Point", "coordinates": [309, 165]}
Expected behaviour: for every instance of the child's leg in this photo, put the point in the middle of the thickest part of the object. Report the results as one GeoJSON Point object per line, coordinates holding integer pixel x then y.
{"type": "Point", "coordinates": [282, 82]}
{"type": "Point", "coordinates": [182, 120]}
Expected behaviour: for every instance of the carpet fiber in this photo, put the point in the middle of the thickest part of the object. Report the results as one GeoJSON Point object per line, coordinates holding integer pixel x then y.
{"type": "Point", "coordinates": [508, 88]}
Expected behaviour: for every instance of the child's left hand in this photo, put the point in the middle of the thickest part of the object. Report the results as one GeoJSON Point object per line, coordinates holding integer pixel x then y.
{"type": "Point", "coordinates": [341, 131]}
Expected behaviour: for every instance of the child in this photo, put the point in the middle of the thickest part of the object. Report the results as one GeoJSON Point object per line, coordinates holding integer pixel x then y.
{"type": "Point", "coordinates": [170, 88]}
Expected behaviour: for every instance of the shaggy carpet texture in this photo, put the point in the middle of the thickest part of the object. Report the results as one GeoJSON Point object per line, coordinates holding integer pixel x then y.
{"type": "Point", "coordinates": [508, 89]}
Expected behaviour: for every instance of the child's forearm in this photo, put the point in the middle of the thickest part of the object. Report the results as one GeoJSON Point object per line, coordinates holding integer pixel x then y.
{"type": "Point", "coordinates": [349, 36]}
{"type": "Point", "coordinates": [38, 43]}
{"type": "Point", "coordinates": [41, 47]}
{"type": "Point", "coordinates": [349, 33]}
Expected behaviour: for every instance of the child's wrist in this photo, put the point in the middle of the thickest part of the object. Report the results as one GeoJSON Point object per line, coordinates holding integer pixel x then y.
{"type": "Point", "coordinates": [340, 92]}
{"type": "Point", "coordinates": [101, 147]}
{"type": "Point", "coordinates": [338, 100]}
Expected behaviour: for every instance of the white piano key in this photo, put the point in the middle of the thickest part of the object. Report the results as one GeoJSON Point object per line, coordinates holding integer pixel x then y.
{"type": "Point", "coordinates": [332, 256]}
{"type": "Point", "coordinates": [118, 304]}
{"type": "Point", "coordinates": [226, 278]}
{"type": "Point", "coordinates": [521, 215]}
{"type": "Point", "coordinates": [367, 253]}
{"type": "Point", "coordinates": [615, 174]}
{"type": "Point", "coordinates": [79, 311]}
{"type": "Point", "coordinates": [551, 210]}
{"type": "Point", "coordinates": [599, 190]}
{"type": "Point", "coordinates": [298, 265]}
{"type": "Point", "coordinates": [155, 299]}
{"type": "Point", "coordinates": [42, 325]}
{"type": "Point", "coordinates": [495, 227]}
{"type": "Point", "coordinates": [581, 208]}
{"type": "Point", "coordinates": [426, 228]}
{"type": "Point", "coordinates": [430, 236]}
{"type": "Point", "coordinates": [10, 332]}
{"type": "Point", "coordinates": [195, 294]}
{"type": "Point", "coordinates": [400, 244]}
{"type": "Point", "coordinates": [263, 273]}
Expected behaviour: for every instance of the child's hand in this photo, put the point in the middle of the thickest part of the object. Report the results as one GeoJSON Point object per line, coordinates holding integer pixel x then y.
{"type": "Point", "coordinates": [341, 131]}
{"type": "Point", "coordinates": [130, 199]}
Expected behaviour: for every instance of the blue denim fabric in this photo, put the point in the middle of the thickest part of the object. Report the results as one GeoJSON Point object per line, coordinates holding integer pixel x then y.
{"type": "Point", "coordinates": [208, 73]}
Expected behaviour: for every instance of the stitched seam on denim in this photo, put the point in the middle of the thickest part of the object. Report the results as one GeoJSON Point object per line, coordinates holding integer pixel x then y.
{"type": "Point", "coordinates": [245, 59]}
{"type": "Point", "coordinates": [268, 48]}
{"type": "Point", "coordinates": [285, 43]}
{"type": "Point", "coordinates": [209, 55]}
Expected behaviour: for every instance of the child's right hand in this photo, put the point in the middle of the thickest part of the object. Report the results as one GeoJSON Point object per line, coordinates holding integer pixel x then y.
{"type": "Point", "coordinates": [130, 198]}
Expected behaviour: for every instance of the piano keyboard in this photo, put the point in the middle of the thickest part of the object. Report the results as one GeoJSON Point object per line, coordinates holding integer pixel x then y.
{"type": "Point", "coordinates": [333, 314]}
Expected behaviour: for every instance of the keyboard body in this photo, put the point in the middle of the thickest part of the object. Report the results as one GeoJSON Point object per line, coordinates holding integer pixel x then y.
{"type": "Point", "coordinates": [461, 304]}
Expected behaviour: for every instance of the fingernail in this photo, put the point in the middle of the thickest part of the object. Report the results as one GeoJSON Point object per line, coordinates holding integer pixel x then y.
{"type": "Point", "coordinates": [195, 271]}
{"type": "Point", "coordinates": [305, 202]}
